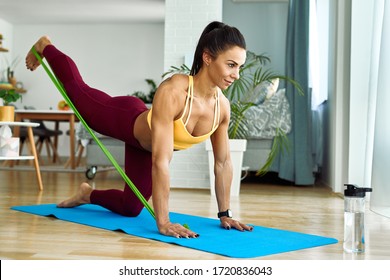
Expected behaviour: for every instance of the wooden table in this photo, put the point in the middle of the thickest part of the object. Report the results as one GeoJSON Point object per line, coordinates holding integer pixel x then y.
{"type": "Point", "coordinates": [53, 115]}
{"type": "Point", "coordinates": [33, 149]}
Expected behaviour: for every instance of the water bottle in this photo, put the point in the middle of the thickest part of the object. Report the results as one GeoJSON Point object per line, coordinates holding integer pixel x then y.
{"type": "Point", "coordinates": [354, 205]}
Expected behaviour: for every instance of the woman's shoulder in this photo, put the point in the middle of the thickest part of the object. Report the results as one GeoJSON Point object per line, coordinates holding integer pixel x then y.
{"type": "Point", "coordinates": [176, 79]}
{"type": "Point", "coordinates": [224, 106]}
{"type": "Point", "coordinates": [175, 84]}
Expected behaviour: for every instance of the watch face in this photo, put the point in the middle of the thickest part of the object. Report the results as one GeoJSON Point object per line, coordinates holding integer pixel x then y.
{"type": "Point", "coordinates": [229, 213]}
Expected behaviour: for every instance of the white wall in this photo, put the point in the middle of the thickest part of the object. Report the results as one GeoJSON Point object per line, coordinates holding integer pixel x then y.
{"type": "Point", "coordinates": [336, 142]}
{"type": "Point", "coordinates": [114, 58]}
{"type": "Point", "coordinates": [264, 26]}
{"type": "Point", "coordinates": [361, 34]}
{"type": "Point", "coordinates": [184, 22]}
{"type": "Point", "coordinates": [347, 160]}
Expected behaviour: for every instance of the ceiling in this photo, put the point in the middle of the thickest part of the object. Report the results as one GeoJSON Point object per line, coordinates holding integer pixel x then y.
{"type": "Point", "coordinates": [81, 11]}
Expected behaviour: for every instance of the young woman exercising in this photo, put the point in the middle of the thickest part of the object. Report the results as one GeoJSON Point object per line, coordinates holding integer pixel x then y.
{"type": "Point", "coordinates": [186, 110]}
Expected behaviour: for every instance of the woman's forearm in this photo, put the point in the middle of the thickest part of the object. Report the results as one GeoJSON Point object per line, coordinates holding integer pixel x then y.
{"type": "Point", "coordinates": [160, 194]}
{"type": "Point", "coordinates": [223, 179]}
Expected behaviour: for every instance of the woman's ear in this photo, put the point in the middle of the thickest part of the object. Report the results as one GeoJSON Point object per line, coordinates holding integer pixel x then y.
{"type": "Point", "coordinates": [206, 58]}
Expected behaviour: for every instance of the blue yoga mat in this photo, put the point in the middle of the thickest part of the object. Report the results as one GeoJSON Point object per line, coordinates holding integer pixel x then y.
{"type": "Point", "coordinates": [260, 242]}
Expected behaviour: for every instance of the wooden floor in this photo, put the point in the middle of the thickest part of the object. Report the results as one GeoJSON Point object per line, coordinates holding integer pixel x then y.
{"type": "Point", "coordinates": [312, 210]}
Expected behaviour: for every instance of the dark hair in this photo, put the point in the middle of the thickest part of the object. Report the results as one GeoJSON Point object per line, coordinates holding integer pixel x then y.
{"type": "Point", "coordinates": [217, 37]}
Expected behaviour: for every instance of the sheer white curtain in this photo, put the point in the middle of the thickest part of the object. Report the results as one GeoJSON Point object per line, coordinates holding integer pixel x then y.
{"type": "Point", "coordinates": [318, 69]}
{"type": "Point", "coordinates": [379, 110]}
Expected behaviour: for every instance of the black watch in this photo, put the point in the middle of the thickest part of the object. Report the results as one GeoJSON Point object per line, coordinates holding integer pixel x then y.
{"type": "Point", "coordinates": [228, 213]}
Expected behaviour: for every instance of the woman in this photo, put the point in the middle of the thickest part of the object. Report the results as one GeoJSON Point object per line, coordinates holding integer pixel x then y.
{"type": "Point", "coordinates": [186, 110]}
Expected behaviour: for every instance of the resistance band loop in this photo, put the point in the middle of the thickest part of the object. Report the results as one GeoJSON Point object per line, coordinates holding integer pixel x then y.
{"type": "Point", "coordinates": [100, 144]}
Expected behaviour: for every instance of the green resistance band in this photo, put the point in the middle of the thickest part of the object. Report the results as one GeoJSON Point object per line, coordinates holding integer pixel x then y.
{"type": "Point", "coordinates": [61, 89]}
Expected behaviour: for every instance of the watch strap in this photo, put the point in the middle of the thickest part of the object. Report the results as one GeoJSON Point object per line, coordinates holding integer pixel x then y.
{"type": "Point", "coordinates": [227, 213]}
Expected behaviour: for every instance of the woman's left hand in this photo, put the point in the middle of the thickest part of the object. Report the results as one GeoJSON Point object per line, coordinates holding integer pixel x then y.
{"type": "Point", "coordinates": [229, 223]}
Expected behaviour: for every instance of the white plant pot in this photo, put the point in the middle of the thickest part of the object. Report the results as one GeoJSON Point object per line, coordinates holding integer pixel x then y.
{"type": "Point", "coordinates": [237, 149]}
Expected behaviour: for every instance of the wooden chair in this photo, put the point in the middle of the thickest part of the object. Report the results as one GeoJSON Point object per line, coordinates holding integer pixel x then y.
{"type": "Point", "coordinates": [44, 136]}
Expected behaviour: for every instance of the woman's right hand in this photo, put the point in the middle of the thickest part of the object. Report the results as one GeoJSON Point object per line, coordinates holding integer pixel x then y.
{"type": "Point", "coordinates": [176, 230]}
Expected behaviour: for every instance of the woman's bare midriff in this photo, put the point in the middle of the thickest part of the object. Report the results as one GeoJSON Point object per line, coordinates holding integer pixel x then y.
{"type": "Point", "coordinates": [142, 131]}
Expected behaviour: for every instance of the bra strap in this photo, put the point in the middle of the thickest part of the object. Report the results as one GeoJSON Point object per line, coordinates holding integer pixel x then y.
{"type": "Point", "coordinates": [190, 95]}
{"type": "Point", "coordinates": [217, 111]}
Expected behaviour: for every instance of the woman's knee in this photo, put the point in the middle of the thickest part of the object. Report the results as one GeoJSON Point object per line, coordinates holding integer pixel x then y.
{"type": "Point", "coordinates": [132, 211]}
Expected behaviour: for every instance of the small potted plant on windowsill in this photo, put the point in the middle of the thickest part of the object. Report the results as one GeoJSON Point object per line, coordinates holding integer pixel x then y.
{"type": "Point", "coordinates": [8, 95]}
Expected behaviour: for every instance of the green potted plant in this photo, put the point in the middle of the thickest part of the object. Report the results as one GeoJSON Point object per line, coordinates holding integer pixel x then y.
{"type": "Point", "coordinates": [8, 95]}
{"type": "Point", "coordinates": [147, 98]}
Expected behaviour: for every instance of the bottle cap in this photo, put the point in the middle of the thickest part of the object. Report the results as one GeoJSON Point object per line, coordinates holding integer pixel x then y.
{"type": "Point", "coordinates": [355, 191]}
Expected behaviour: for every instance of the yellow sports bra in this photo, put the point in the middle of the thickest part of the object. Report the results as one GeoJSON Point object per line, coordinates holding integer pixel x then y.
{"type": "Point", "coordinates": [182, 139]}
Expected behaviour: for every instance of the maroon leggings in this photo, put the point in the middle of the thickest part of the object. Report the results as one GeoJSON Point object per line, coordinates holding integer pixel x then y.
{"type": "Point", "coordinates": [114, 117]}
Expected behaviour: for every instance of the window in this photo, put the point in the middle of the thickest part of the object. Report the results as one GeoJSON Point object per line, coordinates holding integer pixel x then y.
{"type": "Point", "coordinates": [318, 51]}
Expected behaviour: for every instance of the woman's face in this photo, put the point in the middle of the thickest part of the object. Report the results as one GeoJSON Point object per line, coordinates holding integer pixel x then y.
{"type": "Point", "coordinates": [224, 69]}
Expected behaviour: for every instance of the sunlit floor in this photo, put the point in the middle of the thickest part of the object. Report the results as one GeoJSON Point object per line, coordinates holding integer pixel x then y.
{"type": "Point", "coordinates": [313, 210]}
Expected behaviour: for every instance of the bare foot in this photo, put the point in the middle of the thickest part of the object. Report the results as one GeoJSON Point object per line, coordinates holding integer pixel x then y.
{"type": "Point", "coordinates": [82, 196]}
{"type": "Point", "coordinates": [31, 61]}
